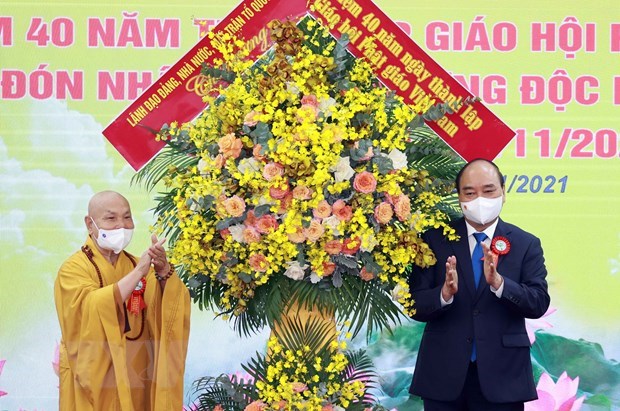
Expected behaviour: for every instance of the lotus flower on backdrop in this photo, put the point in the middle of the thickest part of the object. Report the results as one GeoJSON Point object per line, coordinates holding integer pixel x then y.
{"type": "Point", "coordinates": [532, 325]}
{"type": "Point", "coordinates": [556, 396]}
{"type": "Point", "coordinates": [2, 393]}
{"type": "Point", "coordinates": [56, 360]}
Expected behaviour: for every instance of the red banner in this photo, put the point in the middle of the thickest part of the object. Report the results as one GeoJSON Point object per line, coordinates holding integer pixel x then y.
{"type": "Point", "coordinates": [176, 95]}
{"type": "Point", "coordinates": [473, 131]}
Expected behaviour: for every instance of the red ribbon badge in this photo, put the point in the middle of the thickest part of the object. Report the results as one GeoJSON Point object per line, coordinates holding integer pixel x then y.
{"type": "Point", "coordinates": [500, 245]}
{"type": "Point", "coordinates": [136, 301]}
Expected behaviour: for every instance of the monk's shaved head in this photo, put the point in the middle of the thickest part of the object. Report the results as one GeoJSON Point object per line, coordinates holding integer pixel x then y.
{"type": "Point", "coordinates": [103, 200]}
{"type": "Point", "coordinates": [108, 210]}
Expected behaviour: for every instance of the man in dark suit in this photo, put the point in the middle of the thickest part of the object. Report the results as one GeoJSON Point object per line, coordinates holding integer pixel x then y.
{"type": "Point", "coordinates": [475, 352]}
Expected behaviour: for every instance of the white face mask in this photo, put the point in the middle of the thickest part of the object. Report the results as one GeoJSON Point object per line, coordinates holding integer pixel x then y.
{"type": "Point", "coordinates": [482, 210]}
{"type": "Point", "coordinates": [115, 240]}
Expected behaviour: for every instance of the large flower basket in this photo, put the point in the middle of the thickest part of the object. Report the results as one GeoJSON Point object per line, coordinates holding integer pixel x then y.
{"type": "Point", "coordinates": [304, 184]}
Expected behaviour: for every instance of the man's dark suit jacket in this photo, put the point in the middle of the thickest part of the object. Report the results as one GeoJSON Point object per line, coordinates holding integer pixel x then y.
{"type": "Point", "coordinates": [496, 324]}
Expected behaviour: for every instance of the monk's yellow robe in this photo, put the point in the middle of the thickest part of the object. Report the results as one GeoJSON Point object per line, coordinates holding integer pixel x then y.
{"type": "Point", "coordinates": [111, 359]}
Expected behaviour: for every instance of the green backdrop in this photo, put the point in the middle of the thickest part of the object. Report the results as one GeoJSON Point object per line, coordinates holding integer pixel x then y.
{"type": "Point", "coordinates": [550, 70]}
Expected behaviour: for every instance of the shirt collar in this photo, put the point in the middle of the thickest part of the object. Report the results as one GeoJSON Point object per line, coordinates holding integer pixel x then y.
{"type": "Point", "coordinates": [489, 231]}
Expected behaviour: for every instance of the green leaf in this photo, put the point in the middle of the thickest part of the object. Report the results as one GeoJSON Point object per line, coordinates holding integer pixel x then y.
{"type": "Point", "coordinates": [195, 281]}
{"type": "Point", "coordinates": [262, 210]}
{"type": "Point", "coordinates": [246, 278]}
{"type": "Point", "coordinates": [418, 121]}
{"type": "Point", "coordinates": [599, 401]}
{"type": "Point", "coordinates": [383, 163]}
{"type": "Point", "coordinates": [337, 279]}
{"type": "Point", "coordinates": [230, 393]}
{"type": "Point", "coordinates": [345, 261]}
{"type": "Point", "coordinates": [261, 134]}
{"type": "Point", "coordinates": [359, 152]}
{"type": "Point", "coordinates": [224, 224]}
{"type": "Point", "coordinates": [557, 354]}
{"type": "Point", "coordinates": [370, 264]}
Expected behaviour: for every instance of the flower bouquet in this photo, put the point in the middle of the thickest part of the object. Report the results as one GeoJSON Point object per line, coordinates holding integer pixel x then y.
{"type": "Point", "coordinates": [304, 183]}
{"type": "Point", "coordinates": [303, 370]}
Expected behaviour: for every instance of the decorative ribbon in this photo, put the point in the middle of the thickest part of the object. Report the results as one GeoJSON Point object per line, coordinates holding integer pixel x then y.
{"type": "Point", "coordinates": [136, 301]}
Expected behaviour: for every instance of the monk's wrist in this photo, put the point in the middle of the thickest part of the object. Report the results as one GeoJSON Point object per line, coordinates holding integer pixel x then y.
{"type": "Point", "coordinates": [166, 275]}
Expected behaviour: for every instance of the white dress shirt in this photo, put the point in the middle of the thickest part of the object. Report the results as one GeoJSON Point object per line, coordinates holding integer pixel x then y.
{"type": "Point", "coordinates": [490, 231]}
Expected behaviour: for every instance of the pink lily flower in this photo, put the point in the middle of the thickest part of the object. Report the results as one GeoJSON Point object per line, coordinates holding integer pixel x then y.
{"type": "Point", "coordinates": [2, 393]}
{"type": "Point", "coordinates": [191, 407]}
{"type": "Point", "coordinates": [556, 396]}
{"type": "Point", "coordinates": [531, 325]}
{"type": "Point", "coordinates": [56, 360]}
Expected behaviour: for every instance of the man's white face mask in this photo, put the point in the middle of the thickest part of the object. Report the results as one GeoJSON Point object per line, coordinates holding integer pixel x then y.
{"type": "Point", "coordinates": [482, 210]}
{"type": "Point", "coordinates": [115, 240]}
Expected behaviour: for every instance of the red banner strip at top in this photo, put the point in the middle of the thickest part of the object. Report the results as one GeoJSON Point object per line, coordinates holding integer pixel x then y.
{"type": "Point", "coordinates": [176, 95]}
{"type": "Point", "coordinates": [473, 131]}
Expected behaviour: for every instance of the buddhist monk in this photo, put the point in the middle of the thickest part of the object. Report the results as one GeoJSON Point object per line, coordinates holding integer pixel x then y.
{"type": "Point", "coordinates": [124, 320]}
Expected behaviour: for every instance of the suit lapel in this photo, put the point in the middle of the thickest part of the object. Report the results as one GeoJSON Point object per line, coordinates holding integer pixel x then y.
{"type": "Point", "coordinates": [500, 230]}
{"type": "Point", "coordinates": [463, 257]}
{"type": "Point", "coordinates": [503, 231]}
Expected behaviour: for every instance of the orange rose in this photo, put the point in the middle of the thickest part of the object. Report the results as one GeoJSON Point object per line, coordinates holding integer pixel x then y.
{"type": "Point", "coordinates": [365, 182]}
{"type": "Point", "coordinates": [272, 170]}
{"type": "Point", "coordinates": [235, 206]}
{"type": "Point", "coordinates": [258, 262]}
{"type": "Point", "coordinates": [285, 203]}
{"type": "Point", "coordinates": [266, 224]}
{"type": "Point", "coordinates": [342, 211]}
{"type": "Point", "coordinates": [328, 268]}
{"type": "Point", "coordinates": [279, 191]}
{"type": "Point", "coordinates": [225, 233]}
{"type": "Point", "coordinates": [366, 275]}
{"type": "Point", "coordinates": [314, 231]}
{"type": "Point", "coordinates": [383, 213]}
{"type": "Point", "coordinates": [402, 207]}
{"type": "Point", "coordinates": [251, 235]}
{"type": "Point", "coordinates": [301, 192]}
{"type": "Point", "coordinates": [322, 210]}
{"type": "Point", "coordinates": [219, 161]}
{"type": "Point", "coordinates": [256, 152]}
{"type": "Point", "coordinates": [220, 207]}
{"type": "Point", "coordinates": [351, 245]}
{"type": "Point", "coordinates": [333, 247]}
{"type": "Point", "coordinates": [255, 406]}
{"type": "Point", "coordinates": [230, 146]}
{"type": "Point", "coordinates": [298, 236]}
{"type": "Point", "coordinates": [390, 199]}
{"type": "Point", "coordinates": [250, 218]}
{"type": "Point", "coordinates": [309, 108]}
{"type": "Point", "coordinates": [299, 387]}
{"type": "Point", "coordinates": [251, 119]}
{"type": "Point", "coordinates": [310, 99]}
